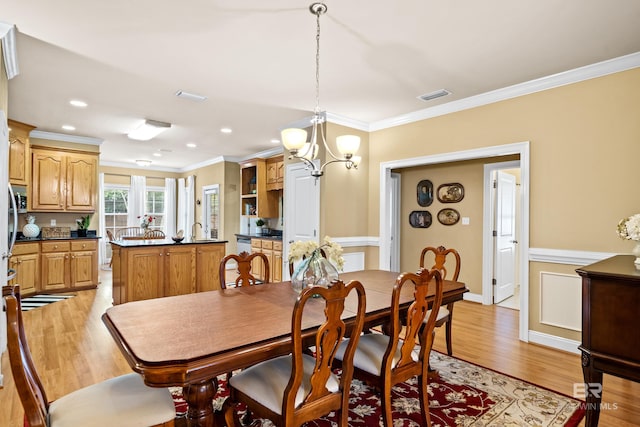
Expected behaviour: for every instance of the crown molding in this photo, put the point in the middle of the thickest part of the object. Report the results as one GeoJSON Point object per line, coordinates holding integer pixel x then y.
{"type": "Point", "coordinates": [209, 162]}
{"type": "Point", "coordinates": [9, 51]}
{"type": "Point", "coordinates": [134, 166]}
{"type": "Point", "coordinates": [576, 75]}
{"type": "Point", "coordinates": [66, 138]}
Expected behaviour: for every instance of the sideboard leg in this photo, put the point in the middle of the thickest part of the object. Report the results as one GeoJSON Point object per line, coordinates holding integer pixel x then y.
{"type": "Point", "coordinates": [593, 390]}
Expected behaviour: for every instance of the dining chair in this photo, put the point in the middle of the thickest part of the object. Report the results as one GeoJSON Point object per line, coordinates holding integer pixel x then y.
{"type": "Point", "coordinates": [111, 239]}
{"type": "Point", "coordinates": [296, 388]}
{"type": "Point", "coordinates": [439, 256]}
{"type": "Point", "coordinates": [245, 262]}
{"type": "Point", "coordinates": [128, 232]}
{"type": "Point", "coordinates": [385, 360]}
{"type": "Point", "coordinates": [120, 401]}
{"type": "Point", "coordinates": [154, 234]}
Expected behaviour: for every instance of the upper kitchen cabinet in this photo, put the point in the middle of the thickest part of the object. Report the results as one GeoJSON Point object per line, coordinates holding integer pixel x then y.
{"type": "Point", "coordinates": [19, 155]}
{"type": "Point", "coordinates": [63, 181]}
{"type": "Point", "coordinates": [275, 173]}
{"type": "Point", "coordinates": [255, 199]}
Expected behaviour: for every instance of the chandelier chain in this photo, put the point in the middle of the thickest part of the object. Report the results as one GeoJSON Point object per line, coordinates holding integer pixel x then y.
{"type": "Point", "coordinates": [318, 13]}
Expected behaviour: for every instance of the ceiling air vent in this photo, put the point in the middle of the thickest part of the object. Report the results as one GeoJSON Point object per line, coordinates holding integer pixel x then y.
{"type": "Point", "coordinates": [191, 96]}
{"type": "Point", "coordinates": [434, 95]}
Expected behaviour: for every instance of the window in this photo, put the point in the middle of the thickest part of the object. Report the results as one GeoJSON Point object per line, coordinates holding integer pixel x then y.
{"type": "Point", "coordinates": [155, 206]}
{"type": "Point", "coordinates": [115, 207]}
{"type": "Point", "coordinates": [211, 210]}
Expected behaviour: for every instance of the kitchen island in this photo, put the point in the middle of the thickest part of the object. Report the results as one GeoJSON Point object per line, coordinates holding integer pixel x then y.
{"type": "Point", "coordinates": [154, 268]}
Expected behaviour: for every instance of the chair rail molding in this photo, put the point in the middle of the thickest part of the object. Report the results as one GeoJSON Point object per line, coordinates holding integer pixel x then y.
{"type": "Point", "coordinates": [567, 256]}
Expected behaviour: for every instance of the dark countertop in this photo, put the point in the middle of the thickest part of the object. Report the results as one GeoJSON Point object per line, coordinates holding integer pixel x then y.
{"type": "Point", "coordinates": [162, 242]}
{"type": "Point", "coordinates": [40, 239]}
{"type": "Point", "coordinates": [260, 236]}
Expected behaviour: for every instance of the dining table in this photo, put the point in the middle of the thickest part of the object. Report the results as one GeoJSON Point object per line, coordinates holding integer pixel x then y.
{"type": "Point", "coordinates": [188, 340]}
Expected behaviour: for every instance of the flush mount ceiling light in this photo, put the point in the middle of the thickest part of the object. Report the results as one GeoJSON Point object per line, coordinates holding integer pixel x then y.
{"type": "Point", "coordinates": [294, 139]}
{"type": "Point", "coordinates": [143, 163]}
{"type": "Point", "coordinates": [149, 129]}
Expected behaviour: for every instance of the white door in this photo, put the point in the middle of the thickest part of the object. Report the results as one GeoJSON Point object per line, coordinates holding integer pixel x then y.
{"type": "Point", "coordinates": [505, 259]}
{"type": "Point", "coordinates": [302, 209]}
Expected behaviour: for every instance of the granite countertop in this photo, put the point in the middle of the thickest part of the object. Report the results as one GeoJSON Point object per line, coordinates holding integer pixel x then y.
{"type": "Point", "coordinates": [260, 236]}
{"type": "Point", "coordinates": [162, 242]}
{"type": "Point", "coordinates": [40, 239]}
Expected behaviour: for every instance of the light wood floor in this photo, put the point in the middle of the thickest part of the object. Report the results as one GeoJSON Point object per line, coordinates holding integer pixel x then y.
{"type": "Point", "coordinates": [73, 349]}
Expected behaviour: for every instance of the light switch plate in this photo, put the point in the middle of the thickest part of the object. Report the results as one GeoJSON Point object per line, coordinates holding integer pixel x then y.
{"type": "Point", "coordinates": [53, 222]}
{"type": "Point", "coordinates": [465, 220]}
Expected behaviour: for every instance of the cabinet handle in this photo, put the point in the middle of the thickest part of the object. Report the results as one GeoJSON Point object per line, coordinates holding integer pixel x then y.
{"type": "Point", "coordinates": [161, 254]}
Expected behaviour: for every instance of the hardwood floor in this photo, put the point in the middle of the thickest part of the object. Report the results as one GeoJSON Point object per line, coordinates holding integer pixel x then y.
{"type": "Point", "coordinates": [72, 349]}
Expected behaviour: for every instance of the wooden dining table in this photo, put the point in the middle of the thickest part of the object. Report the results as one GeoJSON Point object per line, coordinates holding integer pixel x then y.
{"type": "Point", "coordinates": [188, 340]}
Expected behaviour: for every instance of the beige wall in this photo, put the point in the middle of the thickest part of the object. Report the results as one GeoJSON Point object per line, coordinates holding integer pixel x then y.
{"type": "Point", "coordinates": [585, 142]}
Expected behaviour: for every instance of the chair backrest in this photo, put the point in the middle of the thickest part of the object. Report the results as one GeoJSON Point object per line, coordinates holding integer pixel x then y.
{"type": "Point", "coordinates": [30, 389]}
{"type": "Point", "coordinates": [440, 255]}
{"type": "Point", "coordinates": [327, 339]}
{"type": "Point", "coordinates": [291, 269]}
{"type": "Point", "coordinates": [110, 236]}
{"type": "Point", "coordinates": [129, 232]}
{"type": "Point", "coordinates": [154, 234]}
{"type": "Point", "coordinates": [245, 261]}
{"type": "Point", "coordinates": [402, 366]}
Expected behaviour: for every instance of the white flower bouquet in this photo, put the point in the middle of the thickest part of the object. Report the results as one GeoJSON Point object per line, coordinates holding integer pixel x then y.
{"type": "Point", "coordinates": [332, 250]}
{"type": "Point", "coordinates": [629, 228]}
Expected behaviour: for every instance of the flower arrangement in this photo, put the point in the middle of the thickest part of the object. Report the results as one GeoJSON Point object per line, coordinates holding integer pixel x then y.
{"type": "Point", "coordinates": [146, 221]}
{"type": "Point", "coordinates": [83, 222]}
{"type": "Point", "coordinates": [332, 250]}
{"type": "Point", "coordinates": [629, 228]}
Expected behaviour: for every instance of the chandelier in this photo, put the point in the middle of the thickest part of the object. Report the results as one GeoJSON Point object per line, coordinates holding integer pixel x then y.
{"type": "Point", "coordinates": [295, 139]}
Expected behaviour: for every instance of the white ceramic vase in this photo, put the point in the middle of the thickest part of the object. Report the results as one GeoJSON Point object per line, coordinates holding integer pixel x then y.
{"type": "Point", "coordinates": [30, 229]}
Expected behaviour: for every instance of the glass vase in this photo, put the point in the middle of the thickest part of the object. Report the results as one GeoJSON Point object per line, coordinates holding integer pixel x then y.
{"type": "Point", "coordinates": [636, 252]}
{"type": "Point", "coordinates": [315, 270]}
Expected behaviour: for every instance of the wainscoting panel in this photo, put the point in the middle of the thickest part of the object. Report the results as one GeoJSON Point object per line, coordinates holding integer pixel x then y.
{"type": "Point", "coordinates": [561, 300]}
{"type": "Point", "coordinates": [353, 261]}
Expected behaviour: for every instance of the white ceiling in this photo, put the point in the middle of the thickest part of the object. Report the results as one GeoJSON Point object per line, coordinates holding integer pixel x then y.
{"type": "Point", "coordinates": [254, 61]}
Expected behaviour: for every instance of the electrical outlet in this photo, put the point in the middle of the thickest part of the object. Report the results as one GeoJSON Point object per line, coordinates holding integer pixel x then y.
{"type": "Point", "coordinates": [53, 222]}
{"type": "Point", "coordinates": [465, 220]}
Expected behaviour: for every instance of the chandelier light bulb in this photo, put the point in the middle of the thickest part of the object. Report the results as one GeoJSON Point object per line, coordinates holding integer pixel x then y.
{"type": "Point", "coordinates": [294, 139]}
{"type": "Point", "coordinates": [348, 144]}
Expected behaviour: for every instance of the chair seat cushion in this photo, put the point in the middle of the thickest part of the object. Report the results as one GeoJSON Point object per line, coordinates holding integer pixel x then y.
{"type": "Point", "coordinates": [266, 381]}
{"type": "Point", "coordinates": [370, 351]}
{"type": "Point", "coordinates": [120, 401]}
{"type": "Point", "coordinates": [443, 312]}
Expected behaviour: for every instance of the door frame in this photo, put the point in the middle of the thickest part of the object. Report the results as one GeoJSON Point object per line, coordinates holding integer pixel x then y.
{"type": "Point", "coordinates": [517, 148]}
{"type": "Point", "coordinates": [488, 247]}
{"type": "Point", "coordinates": [394, 223]}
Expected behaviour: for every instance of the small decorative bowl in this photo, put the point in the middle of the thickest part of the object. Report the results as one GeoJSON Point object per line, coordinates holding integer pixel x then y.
{"type": "Point", "coordinates": [177, 239]}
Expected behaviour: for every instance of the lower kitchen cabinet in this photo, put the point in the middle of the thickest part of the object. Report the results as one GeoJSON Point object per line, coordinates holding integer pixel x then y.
{"type": "Point", "coordinates": [272, 249]}
{"type": "Point", "coordinates": [208, 259]}
{"type": "Point", "coordinates": [25, 260]}
{"type": "Point", "coordinates": [180, 270]}
{"type": "Point", "coordinates": [68, 264]}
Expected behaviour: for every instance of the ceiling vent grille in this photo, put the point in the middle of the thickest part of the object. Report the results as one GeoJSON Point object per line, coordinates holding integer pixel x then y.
{"type": "Point", "coordinates": [191, 96]}
{"type": "Point", "coordinates": [433, 95]}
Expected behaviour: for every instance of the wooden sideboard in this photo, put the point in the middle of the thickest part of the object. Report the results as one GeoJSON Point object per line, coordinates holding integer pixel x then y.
{"type": "Point", "coordinates": [610, 333]}
{"type": "Point", "coordinates": [147, 269]}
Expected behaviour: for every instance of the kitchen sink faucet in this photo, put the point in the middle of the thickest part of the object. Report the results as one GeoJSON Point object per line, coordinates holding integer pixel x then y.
{"type": "Point", "coordinates": [193, 230]}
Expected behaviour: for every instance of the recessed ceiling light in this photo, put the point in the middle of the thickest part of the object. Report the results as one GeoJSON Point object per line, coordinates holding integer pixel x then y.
{"type": "Point", "coordinates": [275, 141]}
{"type": "Point", "coordinates": [78, 103]}
{"type": "Point", "coordinates": [68, 127]}
{"type": "Point", "coordinates": [143, 163]}
{"type": "Point", "coordinates": [191, 145]}
{"type": "Point", "coordinates": [157, 155]}
{"type": "Point", "coordinates": [226, 130]}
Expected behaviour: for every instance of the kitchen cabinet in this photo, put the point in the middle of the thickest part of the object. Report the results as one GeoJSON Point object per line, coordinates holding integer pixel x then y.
{"type": "Point", "coordinates": [272, 249]}
{"type": "Point", "coordinates": [255, 200]}
{"type": "Point", "coordinates": [19, 153]}
{"type": "Point", "coordinates": [69, 264]}
{"type": "Point", "coordinates": [144, 269]}
{"type": "Point", "coordinates": [63, 181]}
{"type": "Point", "coordinates": [25, 260]}
{"type": "Point", "coordinates": [275, 173]}
{"type": "Point", "coordinates": [208, 259]}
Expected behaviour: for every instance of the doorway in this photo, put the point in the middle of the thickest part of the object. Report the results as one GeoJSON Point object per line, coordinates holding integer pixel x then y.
{"type": "Point", "coordinates": [522, 150]}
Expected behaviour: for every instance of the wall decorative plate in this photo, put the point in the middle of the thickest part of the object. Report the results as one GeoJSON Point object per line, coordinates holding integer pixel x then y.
{"type": "Point", "coordinates": [425, 193]}
{"type": "Point", "coordinates": [420, 219]}
{"type": "Point", "coordinates": [450, 193]}
{"type": "Point", "coordinates": [448, 216]}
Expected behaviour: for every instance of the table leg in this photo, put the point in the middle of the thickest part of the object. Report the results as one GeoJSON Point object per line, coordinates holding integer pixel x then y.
{"type": "Point", "coordinates": [199, 397]}
{"type": "Point", "coordinates": [592, 378]}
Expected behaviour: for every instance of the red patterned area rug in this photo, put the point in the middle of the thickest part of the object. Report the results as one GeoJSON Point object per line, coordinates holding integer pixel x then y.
{"type": "Point", "coordinates": [463, 394]}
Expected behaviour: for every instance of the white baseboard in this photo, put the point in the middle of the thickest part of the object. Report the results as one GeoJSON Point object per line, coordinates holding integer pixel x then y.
{"type": "Point", "coordinates": [553, 341]}
{"type": "Point", "coordinates": [472, 297]}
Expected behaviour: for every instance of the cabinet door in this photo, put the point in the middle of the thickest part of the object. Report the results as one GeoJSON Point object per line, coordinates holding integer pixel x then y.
{"type": "Point", "coordinates": [276, 266]}
{"type": "Point", "coordinates": [19, 154]}
{"type": "Point", "coordinates": [180, 270]}
{"type": "Point", "coordinates": [256, 266]}
{"type": "Point", "coordinates": [47, 183]}
{"type": "Point", "coordinates": [280, 174]}
{"type": "Point", "coordinates": [55, 270]}
{"type": "Point", "coordinates": [272, 175]}
{"type": "Point", "coordinates": [81, 182]}
{"type": "Point", "coordinates": [208, 259]}
{"type": "Point", "coordinates": [84, 270]}
{"type": "Point", "coordinates": [145, 280]}
{"type": "Point", "coordinates": [269, 254]}
{"type": "Point", "coordinates": [26, 267]}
